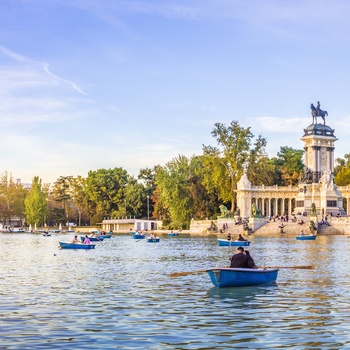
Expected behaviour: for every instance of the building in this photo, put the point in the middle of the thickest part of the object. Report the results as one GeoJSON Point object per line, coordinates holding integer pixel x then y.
{"type": "Point", "coordinates": [316, 186]}
{"type": "Point", "coordinates": [126, 225]}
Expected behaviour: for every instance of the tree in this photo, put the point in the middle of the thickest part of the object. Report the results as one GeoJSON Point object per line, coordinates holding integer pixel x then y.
{"type": "Point", "coordinates": [173, 191]}
{"type": "Point", "coordinates": [289, 166]}
{"type": "Point", "coordinates": [61, 191]}
{"type": "Point", "coordinates": [259, 167]}
{"type": "Point", "coordinates": [36, 207]}
{"type": "Point", "coordinates": [12, 197]}
{"type": "Point", "coordinates": [105, 190]}
{"type": "Point", "coordinates": [78, 195]}
{"type": "Point", "coordinates": [228, 161]}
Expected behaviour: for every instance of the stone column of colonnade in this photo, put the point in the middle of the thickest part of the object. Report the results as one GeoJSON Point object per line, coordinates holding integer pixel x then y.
{"type": "Point", "coordinates": [264, 204]}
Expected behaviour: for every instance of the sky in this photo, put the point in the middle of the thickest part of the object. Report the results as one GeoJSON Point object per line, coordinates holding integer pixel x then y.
{"type": "Point", "coordinates": [91, 84]}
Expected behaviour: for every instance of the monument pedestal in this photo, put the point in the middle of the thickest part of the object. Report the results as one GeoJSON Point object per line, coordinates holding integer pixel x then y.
{"type": "Point", "coordinates": [255, 222]}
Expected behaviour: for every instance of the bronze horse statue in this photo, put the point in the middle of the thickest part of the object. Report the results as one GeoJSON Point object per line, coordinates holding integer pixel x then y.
{"type": "Point", "coordinates": [318, 112]}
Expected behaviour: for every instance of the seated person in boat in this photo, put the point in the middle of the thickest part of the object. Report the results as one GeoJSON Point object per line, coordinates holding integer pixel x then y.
{"type": "Point", "coordinates": [239, 259]}
{"type": "Point", "coordinates": [241, 238]}
{"type": "Point", "coordinates": [251, 263]}
{"type": "Point", "coordinates": [302, 233]}
{"type": "Point", "coordinates": [75, 240]}
{"type": "Point", "coordinates": [87, 240]}
{"type": "Point", "coordinates": [229, 236]}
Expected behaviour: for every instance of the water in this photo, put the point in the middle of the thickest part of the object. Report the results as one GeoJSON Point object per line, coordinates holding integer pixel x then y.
{"type": "Point", "coordinates": [120, 295]}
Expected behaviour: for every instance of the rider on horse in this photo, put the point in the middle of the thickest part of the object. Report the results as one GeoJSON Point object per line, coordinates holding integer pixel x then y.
{"type": "Point", "coordinates": [318, 112]}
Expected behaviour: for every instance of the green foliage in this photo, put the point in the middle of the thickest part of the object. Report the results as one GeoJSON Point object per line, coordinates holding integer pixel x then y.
{"type": "Point", "coordinates": [342, 171]}
{"type": "Point", "coordinates": [174, 191]}
{"type": "Point", "coordinates": [12, 197]}
{"type": "Point", "coordinates": [289, 166]}
{"type": "Point", "coordinates": [260, 169]}
{"type": "Point", "coordinates": [61, 192]}
{"type": "Point", "coordinates": [227, 162]}
{"type": "Point", "coordinates": [36, 207]}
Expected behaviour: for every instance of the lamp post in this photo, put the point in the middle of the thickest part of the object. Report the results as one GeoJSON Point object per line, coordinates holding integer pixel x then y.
{"type": "Point", "coordinates": [125, 206]}
{"type": "Point", "coordinates": [147, 207]}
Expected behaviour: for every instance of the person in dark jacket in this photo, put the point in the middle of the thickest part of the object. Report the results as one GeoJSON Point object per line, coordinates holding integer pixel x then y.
{"type": "Point", "coordinates": [241, 238]}
{"type": "Point", "coordinates": [239, 259]}
{"type": "Point", "coordinates": [251, 263]}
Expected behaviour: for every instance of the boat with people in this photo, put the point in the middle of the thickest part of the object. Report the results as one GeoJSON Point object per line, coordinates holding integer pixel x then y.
{"type": "Point", "coordinates": [241, 277]}
{"type": "Point", "coordinates": [16, 230]}
{"type": "Point", "coordinates": [46, 234]}
{"type": "Point", "coordinates": [153, 239]}
{"type": "Point", "coordinates": [69, 245]}
{"type": "Point", "coordinates": [138, 236]}
{"type": "Point", "coordinates": [173, 234]}
{"type": "Point", "coordinates": [101, 234]}
{"type": "Point", "coordinates": [92, 239]}
{"type": "Point", "coordinates": [104, 236]}
{"type": "Point", "coordinates": [225, 242]}
{"type": "Point", "coordinates": [306, 238]}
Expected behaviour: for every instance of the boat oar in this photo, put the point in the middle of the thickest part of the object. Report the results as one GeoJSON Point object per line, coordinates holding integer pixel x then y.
{"type": "Point", "coordinates": [306, 267]}
{"type": "Point", "coordinates": [178, 274]}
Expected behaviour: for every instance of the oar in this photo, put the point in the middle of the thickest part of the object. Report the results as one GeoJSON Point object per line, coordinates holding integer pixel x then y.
{"type": "Point", "coordinates": [178, 274]}
{"type": "Point", "coordinates": [305, 267]}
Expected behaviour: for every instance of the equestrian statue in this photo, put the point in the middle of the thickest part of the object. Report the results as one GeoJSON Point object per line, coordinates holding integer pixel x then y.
{"type": "Point", "coordinates": [318, 112]}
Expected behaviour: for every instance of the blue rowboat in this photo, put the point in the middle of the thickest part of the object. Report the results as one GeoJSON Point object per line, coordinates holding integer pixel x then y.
{"type": "Point", "coordinates": [153, 240]}
{"type": "Point", "coordinates": [46, 234]}
{"type": "Point", "coordinates": [138, 236]}
{"type": "Point", "coordinates": [104, 236]}
{"type": "Point", "coordinates": [239, 277]}
{"type": "Point", "coordinates": [306, 238]}
{"type": "Point", "coordinates": [225, 242]}
{"type": "Point", "coordinates": [173, 234]}
{"type": "Point", "coordinates": [68, 245]}
{"type": "Point", "coordinates": [92, 239]}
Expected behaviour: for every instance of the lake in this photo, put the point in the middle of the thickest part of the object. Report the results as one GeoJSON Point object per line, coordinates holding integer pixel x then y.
{"type": "Point", "coordinates": [120, 295]}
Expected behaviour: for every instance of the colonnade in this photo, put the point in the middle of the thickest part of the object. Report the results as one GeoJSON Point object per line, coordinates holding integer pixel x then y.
{"type": "Point", "coordinates": [274, 206]}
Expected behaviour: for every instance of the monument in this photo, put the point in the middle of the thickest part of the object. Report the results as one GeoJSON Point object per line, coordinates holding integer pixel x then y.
{"type": "Point", "coordinates": [316, 185]}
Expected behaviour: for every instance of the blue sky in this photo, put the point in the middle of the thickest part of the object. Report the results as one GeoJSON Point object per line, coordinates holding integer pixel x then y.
{"type": "Point", "coordinates": [89, 84]}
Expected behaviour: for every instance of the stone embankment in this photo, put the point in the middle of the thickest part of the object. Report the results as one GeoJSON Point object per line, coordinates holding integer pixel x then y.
{"type": "Point", "coordinates": [338, 226]}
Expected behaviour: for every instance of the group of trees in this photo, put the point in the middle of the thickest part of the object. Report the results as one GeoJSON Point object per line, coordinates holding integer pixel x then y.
{"type": "Point", "coordinates": [182, 189]}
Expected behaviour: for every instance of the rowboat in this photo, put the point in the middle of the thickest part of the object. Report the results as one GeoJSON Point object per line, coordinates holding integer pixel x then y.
{"type": "Point", "coordinates": [92, 239]}
{"type": "Point", "coordinates": [225, 242]}
{"type": "Point", "coordinates": [240, 277]}
{"type": "Point", "coordinates": [15, 230]}
{"type": "Point", "coordinates": [55, 231]}
{"type": "Point", "coordinates": [46, 234]}
{"type": "Point", "coordinates": [138, 236]}
{"type": "Point", "coordinates": [68, 245]}
{"type": "Point", "coordinates": [306, 238]}
{"type": "Point", "coordinates": [104, 236]}
{"type": "Point", "coordinates": [153, 240]}
{"type": "Point", "coordinates": [173, 234]}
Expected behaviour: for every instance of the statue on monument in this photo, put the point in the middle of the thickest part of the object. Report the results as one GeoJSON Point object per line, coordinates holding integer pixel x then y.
{"type": "Point", "coordinates": [225, 213]}
{"type": "Point", "coordinates": [256, 213]}
{"type": "Point", "coordinates": [318, 112]}
{"type": "Point", "coordinates": [326, 180]}
{"type": "Point", "coordinates": [306, 177]}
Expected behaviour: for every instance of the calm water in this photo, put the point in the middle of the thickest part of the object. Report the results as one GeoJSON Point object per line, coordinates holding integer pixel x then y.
{"type": "Point", "coordinates": [120, 295]}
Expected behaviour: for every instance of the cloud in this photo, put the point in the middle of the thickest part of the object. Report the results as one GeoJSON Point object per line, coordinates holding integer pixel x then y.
{"type": "Point", "coordinates": [31, 69]}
